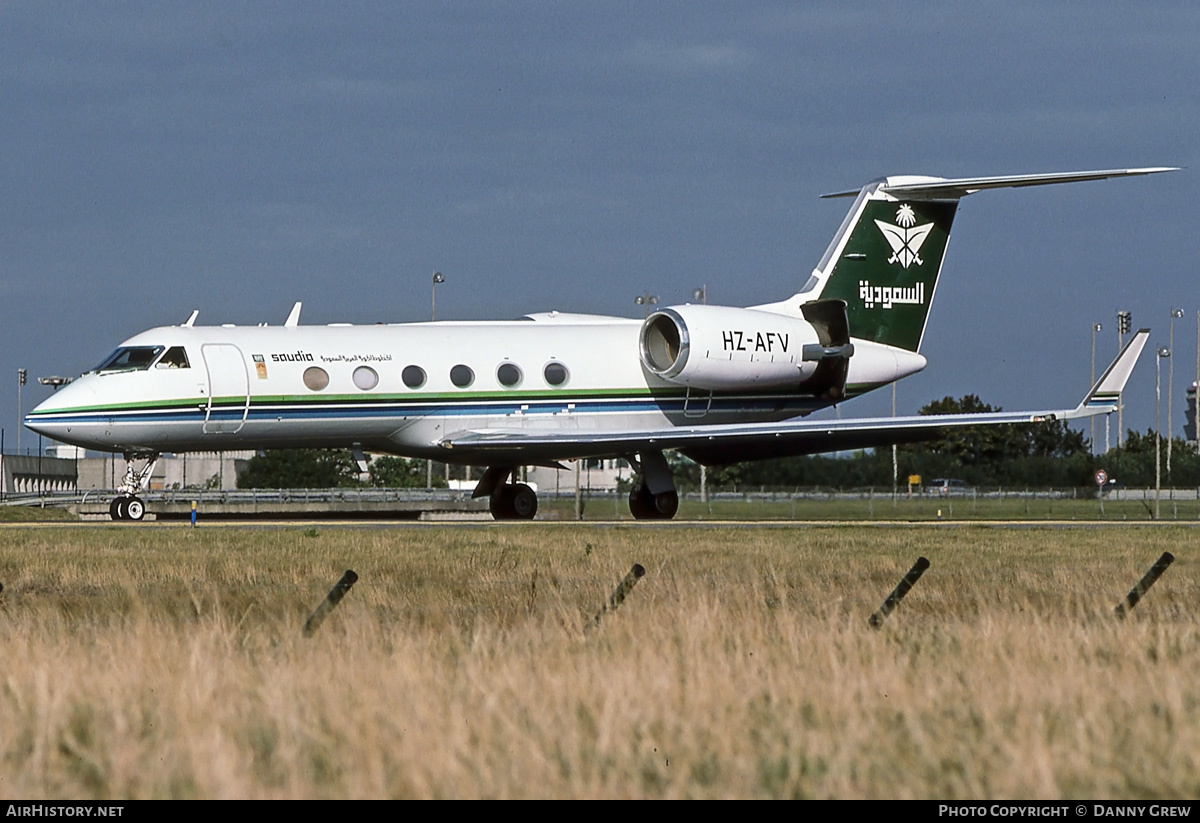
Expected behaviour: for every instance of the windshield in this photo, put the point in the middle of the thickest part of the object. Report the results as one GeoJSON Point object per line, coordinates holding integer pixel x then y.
{"type": "Point", "coordinates": [129, 358]}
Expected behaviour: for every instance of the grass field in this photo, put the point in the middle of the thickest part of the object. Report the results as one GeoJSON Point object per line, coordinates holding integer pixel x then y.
{"type": "Point", "coordinates": [883, 507]}
{"type": "Point", "coordinates": [169, 662]}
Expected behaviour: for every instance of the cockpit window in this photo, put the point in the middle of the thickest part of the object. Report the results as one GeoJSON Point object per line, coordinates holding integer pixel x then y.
{"type": "Point", "coordinates": [130, 358]}
{"type": "Point", "coordinates": [175, 358]}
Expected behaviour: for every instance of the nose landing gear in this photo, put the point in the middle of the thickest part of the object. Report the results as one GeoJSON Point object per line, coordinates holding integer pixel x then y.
{"type": "Point", "coordinates": [127, 505]}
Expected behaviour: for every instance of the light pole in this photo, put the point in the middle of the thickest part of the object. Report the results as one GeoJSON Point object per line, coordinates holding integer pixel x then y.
{"type": "Point", "coordinates": [1124, 324]}
{"type": "Point", "coordinates": [1163, 351]}
{"type": "Point", "coordinates": [895, 463]}
{"type": "Point", "coordinates": [700, 295]}
{"type": "Point", "coordinates": [1095, 328]}
{"type": "Point", "coordinates": [55, 382]}
{"type": "Point", "coordinates": [1175, 314]}
{"type": "Point", "coordinates": [438, 277]}
{"type": "Point", "coordinates": [20, 382]}
{"type": "Point", "coordinates": [646, 299]}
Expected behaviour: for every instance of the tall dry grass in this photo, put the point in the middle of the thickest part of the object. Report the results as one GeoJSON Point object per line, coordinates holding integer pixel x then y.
{"type": "Point", "coordinates": [165, 662]}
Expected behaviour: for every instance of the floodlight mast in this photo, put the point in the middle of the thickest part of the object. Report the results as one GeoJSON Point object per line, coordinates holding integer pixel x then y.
{"type": "Point", "coordinates": [1163, 352]}
{"type": "Point", "coordinates": [1175, 314]}
{"type": "Point", "coordinates": [1095, 328]}
{"type": "Point", "coordinates": [1124, 324]}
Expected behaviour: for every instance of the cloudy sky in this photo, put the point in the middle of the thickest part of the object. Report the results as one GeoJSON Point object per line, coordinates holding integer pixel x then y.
{"type": "Point", "coordinates": [236, 157]}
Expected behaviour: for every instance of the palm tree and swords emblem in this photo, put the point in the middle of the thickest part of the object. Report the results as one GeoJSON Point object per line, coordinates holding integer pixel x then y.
{"type": "Point", "coordinates": [905, 238]}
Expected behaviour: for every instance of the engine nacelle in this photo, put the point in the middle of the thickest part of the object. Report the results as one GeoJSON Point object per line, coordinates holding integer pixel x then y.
{"type": "Point", "coordinates": [718, 348]}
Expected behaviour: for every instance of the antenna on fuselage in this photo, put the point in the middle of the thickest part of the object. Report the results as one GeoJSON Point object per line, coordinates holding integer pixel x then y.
{"type": "Point", "coordinates": [192, 319]}
{"type": "Point", "coordinates": [294, 318]}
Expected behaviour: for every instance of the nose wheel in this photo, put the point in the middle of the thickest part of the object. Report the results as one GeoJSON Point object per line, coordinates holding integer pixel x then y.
{"type": "Point", "coordinates": [127, 505]}
{"type": "Point", "coordinates": [127, 508]}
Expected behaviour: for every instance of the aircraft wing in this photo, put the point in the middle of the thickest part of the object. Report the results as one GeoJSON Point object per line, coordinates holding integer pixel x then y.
{"type": "Point", "coordinates": [735, 442]}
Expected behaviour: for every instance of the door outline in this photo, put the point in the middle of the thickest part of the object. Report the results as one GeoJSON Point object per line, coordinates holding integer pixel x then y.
{"type": "Point", "coordinates": [231, 382]}
{"type": "Point", "coordinates": [691, 403]}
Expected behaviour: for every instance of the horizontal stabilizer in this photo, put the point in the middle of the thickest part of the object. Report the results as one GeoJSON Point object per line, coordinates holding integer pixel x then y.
{"type": "Point", "coordinates": [939, 188]}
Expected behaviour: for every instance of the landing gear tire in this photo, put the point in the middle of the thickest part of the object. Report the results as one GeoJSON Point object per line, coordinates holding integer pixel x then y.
{"type": "Point", "coordinates": [513, 502]}
{"type": "Point", "coordinates": [639, 505]}
{"type": "Point", "coordinates": [135, 509]}
{"type": "Point", "coordinates": [644, 505]}
{"type": "Point", "coordinates": [666, 504]}
{"type": "Point", "coordinates": [523, 502]}
{"type": "Point", "coordinates": [498, 504]}
{"type": "Point", "coordinates": [126, 508]}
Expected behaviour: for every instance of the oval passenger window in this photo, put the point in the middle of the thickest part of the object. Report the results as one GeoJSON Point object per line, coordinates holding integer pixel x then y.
{"type": "Point", "coordinates": [316, 378]}
{"type": "Point", "coordinates": [508, 374]}
{"type": "Point", "coordinates": [413, 377]}
{"type": "Point", "coordinates": [555, 373]}
{"type": "Point", "coordinates": [365, 378]}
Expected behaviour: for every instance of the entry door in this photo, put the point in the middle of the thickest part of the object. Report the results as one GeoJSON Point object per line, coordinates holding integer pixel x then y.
{"type": "Point", "coordinates": [228, 388]}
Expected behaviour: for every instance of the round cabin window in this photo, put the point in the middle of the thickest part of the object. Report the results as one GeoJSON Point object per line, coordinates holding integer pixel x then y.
{"type": "Point", "coordinates": [509, 374]}
{"type": "Point", "coordinates": [413, 377]}
{"type": "Point", "coordinates": [556, 374]}
{"type": "Point", "coordinates": [366, 378]}
{"type": "Point", "coordinates": [462, 376]}
{"type": "Point", "coordinates": [316, 378]}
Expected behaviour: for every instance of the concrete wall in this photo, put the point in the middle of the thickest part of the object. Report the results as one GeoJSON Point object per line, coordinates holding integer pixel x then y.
{"type": "Point", "coordinates": [209, 470]}
{"type": "Point", "coordinates": [30, 474]}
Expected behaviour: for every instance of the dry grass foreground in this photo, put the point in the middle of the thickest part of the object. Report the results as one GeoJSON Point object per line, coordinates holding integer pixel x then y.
{"type": "Point", "coordinates": [166, 662]}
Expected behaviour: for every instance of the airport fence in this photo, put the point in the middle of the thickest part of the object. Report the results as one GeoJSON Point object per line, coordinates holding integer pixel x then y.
{"type": "Point", "coordinates": [804, 504]}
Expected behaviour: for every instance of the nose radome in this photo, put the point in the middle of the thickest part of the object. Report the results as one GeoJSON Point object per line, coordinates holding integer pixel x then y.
{"type": "Point", "coordinates": [50, 418]}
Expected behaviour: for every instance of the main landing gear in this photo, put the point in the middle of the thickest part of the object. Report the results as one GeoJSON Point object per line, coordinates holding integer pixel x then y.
{"type": "Point", "coordinates": [646, 505]}
{"type": "Point", "coordinates": [653, 496]}
{"type": "Point", "coordinates": [513, 501]}
{"type": "Point", "coordinates": [506, 501]}
{"type": "Point", "coordinates": [127, 505]}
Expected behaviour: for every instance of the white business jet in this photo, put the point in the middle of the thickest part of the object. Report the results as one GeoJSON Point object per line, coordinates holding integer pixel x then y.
{"type": "Point", "coordinates": [719, 384]}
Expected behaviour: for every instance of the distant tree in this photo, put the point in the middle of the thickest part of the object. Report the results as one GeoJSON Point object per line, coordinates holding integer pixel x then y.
{"type": "Point", "coordinates": [1033, 454]}
{"type": "Point", "coordinates": [719, 478]}
{"type": "Point", "coordinates": [402, 473]}
{"type": "Point", "coordinates": [1036, 455]}
{"type": "Point", "coordinates": [299, 469]}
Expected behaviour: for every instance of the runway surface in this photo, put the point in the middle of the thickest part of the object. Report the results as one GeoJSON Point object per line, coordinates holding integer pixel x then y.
{"type": "Point", "coordinates": [613, 524]}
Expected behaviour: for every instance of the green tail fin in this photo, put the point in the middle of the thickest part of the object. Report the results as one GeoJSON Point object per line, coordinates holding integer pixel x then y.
{"type": "Point", "coordinates": [885, 259]}
{"type": "Point", "coordinates": [886, 266]}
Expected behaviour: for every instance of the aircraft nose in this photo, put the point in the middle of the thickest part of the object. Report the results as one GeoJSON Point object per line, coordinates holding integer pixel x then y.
{"type": "Point", "coordinates": [56, 416]}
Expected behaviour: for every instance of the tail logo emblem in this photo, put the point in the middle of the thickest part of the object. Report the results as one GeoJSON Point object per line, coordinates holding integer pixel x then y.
{"type": "Point", "coordinates": [905, 238]}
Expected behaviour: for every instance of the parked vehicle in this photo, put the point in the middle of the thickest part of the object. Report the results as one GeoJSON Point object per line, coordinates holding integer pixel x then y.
{"type": "Point", "coordinates": [948, 487]}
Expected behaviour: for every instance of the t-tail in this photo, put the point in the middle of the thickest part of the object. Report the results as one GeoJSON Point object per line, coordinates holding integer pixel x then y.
{"type": "Point", "coordinates": [887, 255]}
